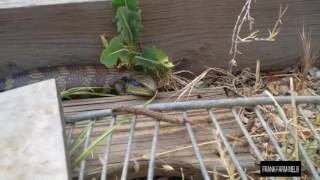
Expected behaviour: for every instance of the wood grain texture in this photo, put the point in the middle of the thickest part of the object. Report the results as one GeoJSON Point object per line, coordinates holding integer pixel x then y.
{"type": "Point", "coordinates": [197, 33]}
{"type": "Point", "coordinates": [171, 136]}
{"type": "Point", "coordinates": [4, 4]}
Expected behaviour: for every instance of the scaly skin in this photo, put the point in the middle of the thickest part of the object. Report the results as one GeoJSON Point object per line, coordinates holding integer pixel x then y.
{"type": "Point", "coordinates": [71, 76]}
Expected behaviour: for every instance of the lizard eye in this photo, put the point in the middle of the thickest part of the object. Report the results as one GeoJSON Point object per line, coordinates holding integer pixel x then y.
{"type": "Point", "coordinates": [135, 83]}
{"type": "Point", "coordinates": [132, 81]}
{"type": "Point", "coordinates": [125, 79]}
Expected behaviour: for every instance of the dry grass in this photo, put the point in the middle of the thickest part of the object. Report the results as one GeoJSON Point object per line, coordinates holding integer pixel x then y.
{"type": "Point", "coordinates": [308, 56]}
{"type": "Point", "coordinates": [247, 83]}
{"type": "Point", "coordinates": [226, 161]}
{"type": "Point", "coordinates": [295, 119]}
{"type": "Point", "coordinates": [185, 91]}
{"type": "Point", "coordinates": [174, 82]}
{"type": "Point", "coordinates": [258, 76]}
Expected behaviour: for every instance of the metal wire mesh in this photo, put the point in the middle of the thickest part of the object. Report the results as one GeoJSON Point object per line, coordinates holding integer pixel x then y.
{"type": "Point", "coordinates": [231, 104]}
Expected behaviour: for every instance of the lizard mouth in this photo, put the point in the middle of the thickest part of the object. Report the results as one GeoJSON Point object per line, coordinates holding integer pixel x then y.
{"type": "Point", "coordinates": [139, 90]}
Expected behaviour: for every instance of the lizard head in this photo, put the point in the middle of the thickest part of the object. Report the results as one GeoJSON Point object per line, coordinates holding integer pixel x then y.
{"type": "Point", "coordinates": [137, 84]}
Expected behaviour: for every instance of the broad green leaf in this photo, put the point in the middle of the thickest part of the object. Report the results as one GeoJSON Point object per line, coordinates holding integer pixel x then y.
{"type": "Point", "coordinates": [154, 56]}
{"type": "Point", "coordinates": [130, 4]}
{"type": "Point", "coordinates": [157, 55]}
{"type": "Point", "coordinates": [154, 60]}
{"type": "Point", "coordinates": [115, 51]}
{"type": "Point", "coordinates": [129, 25]}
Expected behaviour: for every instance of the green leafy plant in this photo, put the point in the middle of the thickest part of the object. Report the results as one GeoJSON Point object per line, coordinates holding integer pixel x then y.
{"type": "Point", "coordinates": [76, 161]}
{"type": "Point", "coordinates": [80, 139]}
{"type": "Point", "coordinates": [124, 49]}
{"type": "Point", "coordinates": [77, 154]}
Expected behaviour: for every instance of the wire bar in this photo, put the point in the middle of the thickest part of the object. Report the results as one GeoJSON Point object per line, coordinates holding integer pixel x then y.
{"type": "Point", "coordinates": [199, 104]}
{"type": "Point", "coordinates": [312, 128]}
{"type": "Point", "coordinates": [83, 163]}
{"type": "Point", "coordinates": [69, 136]}
{"type": "Point", "coordinates": [196, 148]}
{"type": "Point", "coordinates": [202, 104]}
{"type": "Point", "coordinates": [153, 151]}
{"type": "Point", "coordinates": [270, 134]}
{"type": "Point", "coordinates": [247, 135]}
{"type": "Point", "coordinates": [129, 147]}
{"type": "Point", "coordinates": [107, 151]}
{"type": "Point", "coordinates": [227, 145]}
{"type": "Point", "coordinates": [309, 163]}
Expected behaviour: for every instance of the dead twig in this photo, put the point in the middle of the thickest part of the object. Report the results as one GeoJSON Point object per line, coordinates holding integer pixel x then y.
{"type": "Point", "coordinates": [243, 17]}
{"type": "Point", "coordinates": [258, 77]}
{"type": "Point", "coordinates": [156, 115]}
{"type": "Point", "coordinates": [276, 27]}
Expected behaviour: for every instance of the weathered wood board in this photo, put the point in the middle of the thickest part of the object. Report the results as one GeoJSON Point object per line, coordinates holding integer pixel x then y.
{"type": "Point", "coordinates": [32, 134]}
{"type": "Point", "coordinates": [30, 3]}
{"type": "Point", "coordinates": [196, 33]}
{"type": "Point", "coordinates": [170, 140]}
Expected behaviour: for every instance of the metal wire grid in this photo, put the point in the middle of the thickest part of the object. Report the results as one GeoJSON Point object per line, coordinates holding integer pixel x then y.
{"type": "Point", "coordinates": [207, 104]}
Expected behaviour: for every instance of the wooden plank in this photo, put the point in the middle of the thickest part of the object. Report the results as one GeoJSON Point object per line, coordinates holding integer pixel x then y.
{"type": "Point", "coordinates": [74, 106]}
{"type": "Point", "coordinates": [171, 136]}
{"type": "Point", "coordinates": [196, 32]}
{"type": "Point", "coordinates": [5, 4]}
{"type": "Point", "coordinates": [32, 134]}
